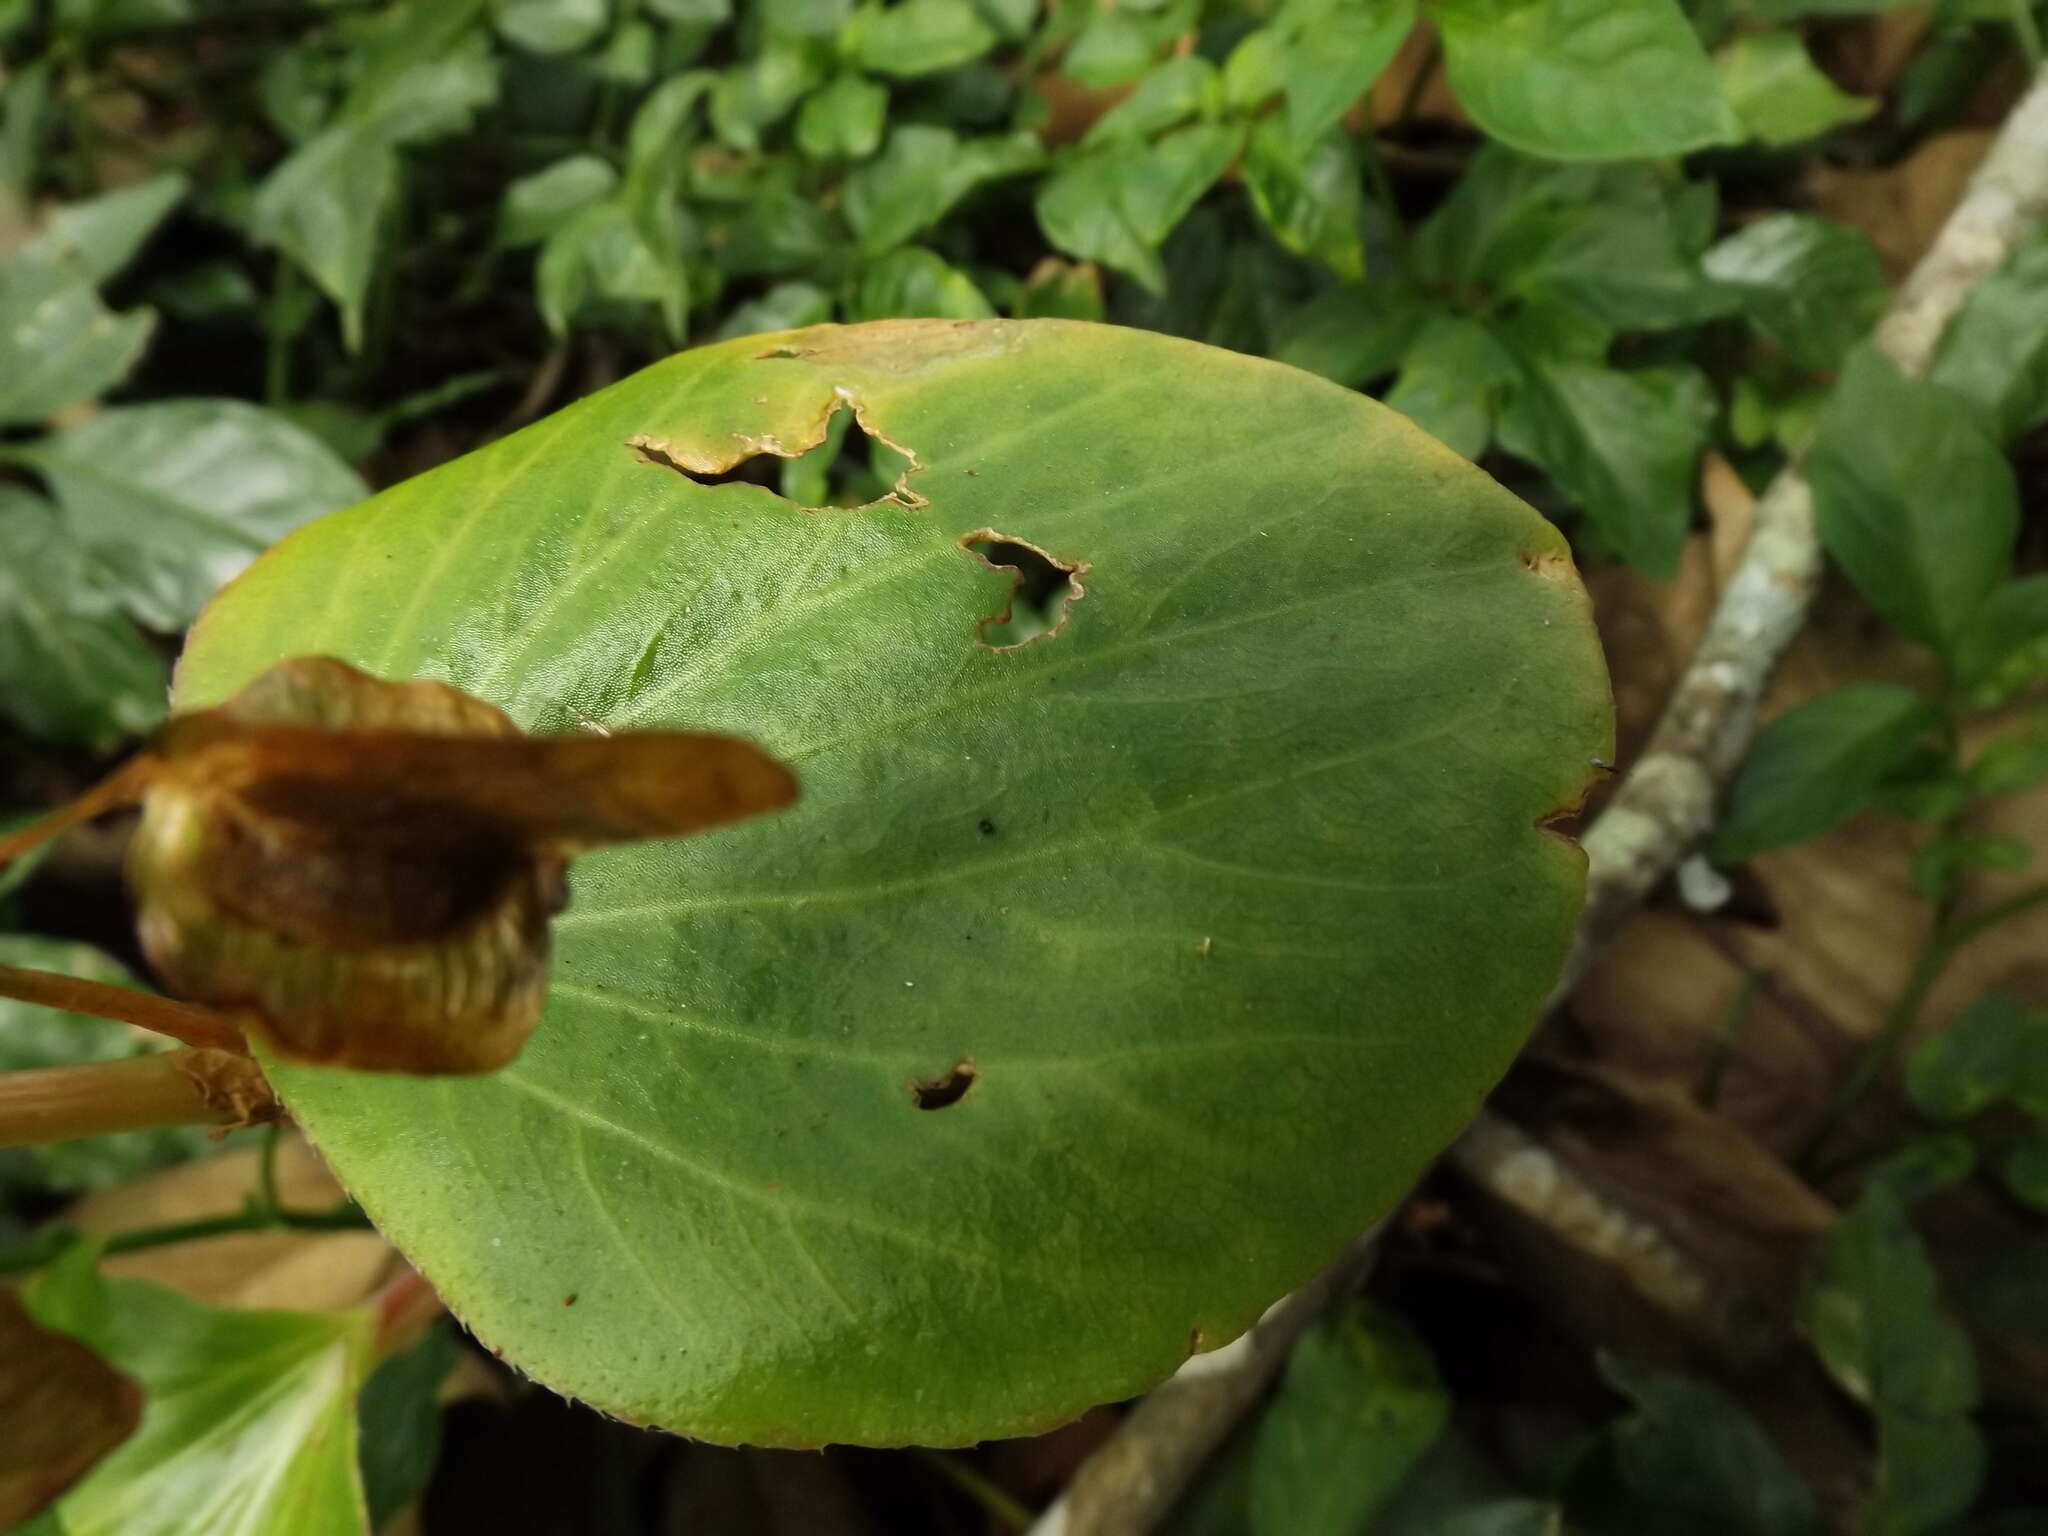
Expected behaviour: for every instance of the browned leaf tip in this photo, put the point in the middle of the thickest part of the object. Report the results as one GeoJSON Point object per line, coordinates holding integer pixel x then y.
{"type": "Point", "coordinates": [64, 1408]}
{"type": "Point", "coordinates": [367, 869]}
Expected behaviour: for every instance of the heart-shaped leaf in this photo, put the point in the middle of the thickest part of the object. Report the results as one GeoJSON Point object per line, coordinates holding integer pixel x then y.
{"type": "Point", "coordinates": [1114, 969]}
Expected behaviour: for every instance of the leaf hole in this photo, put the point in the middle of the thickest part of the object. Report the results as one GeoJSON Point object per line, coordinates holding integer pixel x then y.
{"type": "Point", "coordinates": [837, 460]}
{"type": "Point", "coordinates": [762, 469]}
{"type": "Point", "coordinates": [948, 1089]}
{"type": "Point", "coordinates": [1042, 589]}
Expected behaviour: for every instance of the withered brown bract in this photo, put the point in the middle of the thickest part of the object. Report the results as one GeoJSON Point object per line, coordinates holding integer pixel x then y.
{"type": "Point", "coordinates": [365, 870]}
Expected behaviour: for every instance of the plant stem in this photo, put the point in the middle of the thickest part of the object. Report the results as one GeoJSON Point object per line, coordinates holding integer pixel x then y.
{"type": "Point", "coordinates": [277, 355]}
{"type": "Point", "coordinates": [1944, 942]}
{"type": "Point", "coordinates": [1006, 1510]}
{"type": "Point", "coordinates": [125, 1005]}
{"type": "Point", "coordinates": [1733, 1024]}
{"type": "Point", "coordinates": [124, 786]}
{"type": "Point", "coordinates": [141, 1093]}
{"type": "Point", "coordinates": [47, 1245]}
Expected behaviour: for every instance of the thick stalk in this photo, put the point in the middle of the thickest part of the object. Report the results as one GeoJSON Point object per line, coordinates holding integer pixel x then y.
{"type": "Point", "coordinates": [184, 1087]}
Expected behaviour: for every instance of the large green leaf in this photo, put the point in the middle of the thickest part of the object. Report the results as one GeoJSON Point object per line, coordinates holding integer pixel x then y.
{"type": "Point", "coordinates": [1584, 79]}
{"type": "Point", "coordinates": [1097, 990]}
{"type": "Point", "coordinates": [248, 1424]}
{"type": "Point", "coordinates": [59, 345]}
{"type": "Point", "coordinates": [177, 496]}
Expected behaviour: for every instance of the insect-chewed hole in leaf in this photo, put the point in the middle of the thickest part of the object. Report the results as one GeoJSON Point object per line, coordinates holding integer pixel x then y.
{"type": "Point", "coordinates": [844, 464]}
{"type": "Point", "coordinates": [850, 468]}
{"type": "Point", "coordinates": [1043, 589]}
{"type": "Point", "coordinates": [762, 469]}
{"type": "Point", "coordinates": [948, 1088]}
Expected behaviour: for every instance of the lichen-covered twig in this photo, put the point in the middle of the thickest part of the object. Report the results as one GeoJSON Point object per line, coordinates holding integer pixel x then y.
{"type": "Point", "coordinates": [1665, 804]}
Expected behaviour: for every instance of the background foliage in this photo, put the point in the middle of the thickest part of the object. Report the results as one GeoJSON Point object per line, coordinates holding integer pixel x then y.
{"type": "Point", "coordinates": [259, 258]}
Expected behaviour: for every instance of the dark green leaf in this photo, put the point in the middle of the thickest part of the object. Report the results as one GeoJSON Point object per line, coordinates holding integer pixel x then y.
{"type": "Point", "coordinates": [1813, 286]}
{"type": "Point", "coordinates": [627, 57]}
{"type": "Point", "coordinates": [45, 1037]}
{"type": "Point", "coordinates": [536, 206]}
{"type": "Point", "coordinates": [753, 96]}
{"type": "Point", "coordinates": [1311, 199]}
{"type": "Point", "coordinates": [1452, 376]}
{"type": "Point", "coordinates": [2026, 1169]}
{"type": "Point", "coordinates": [551, 26]}
{"type": "Point", "coordinates": [300, 88]}
{"type": "Point", "coordinates": [62, 344]}
{"type": "Point", "coordinates": [1114, 47]}
{"type": "Point", "coordinates": [785, 307]}
{"type": "Point", "coordinates": [603, 256]}
{"type": "Point", "coordinates": [916, 37]}
{"type": "Point", "coordinates": [1335, 50]}
{"type": "Point", "coordinates": [248, 1427]}
{"type": "Point", "coordinates": [98, 237]}
{"type": "Point", "coordinates": [1997, 1051]}
{"type": "Point", "coordinates": [842, 120]}
{"type": "Point", "coordinates": [774, 232]}
{"type": "Point", "coordinates": [1686, 1461]}
{"type": "Point", "coordinates": [1817, 764]}
{"type": "Point", "coordinates": [1874, 1316]}
{"type": "Point", "coordinates": [918, 178]}
{"type": "Point", "coordinates": [1620, 264]}
{"type": "Point", "coordinates": [325, 208]}
{"type": "Point", "coordinates": [1117, 204]}
{"type": "Point", "coordinates": [72, 664]}
{"type": "Point", "coordinates": [2002, 647]}
{"type": "Point", "coordinates": [1177, 90]}
{"type": "Point", "coordinates": [1624, 446]}
{"type": "Point", "coordinates": [1584, 79]}
{"type": "Point", "coordinates": [1353, 335]}
{"type": "Point", "coordinates": [1061, 290]}
{"type": "Point", "coordinates": [1915, 501]}
{"type": "Point", "coordinates": [801, 18]}
{"type": "Point", "coordinates": [1256, 70]}
{"type": "Point", "coordinates": [177, 496]}
{"type": "Point", "coordinates": [398, 1423]}
{"type": "Point", "coordinates": [1995, 351]}
{"type": "Point", "coordinates": [1924, 1165]}
{"type": "Point", "coordinates": [1778, 93]}
{"type": "Point", "coordinates": [914, 283]}
{"type": "Point", "coordinates": [1359, 1404]}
